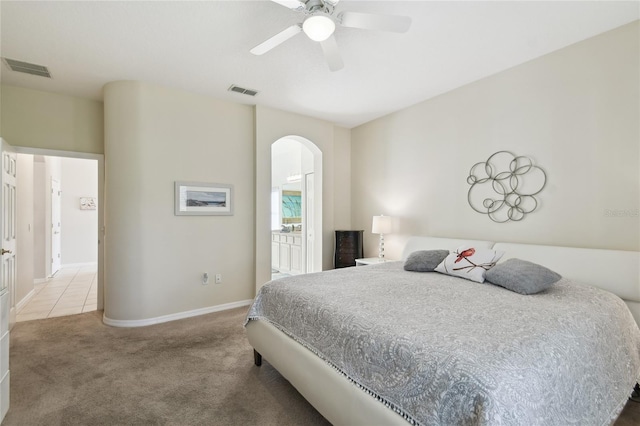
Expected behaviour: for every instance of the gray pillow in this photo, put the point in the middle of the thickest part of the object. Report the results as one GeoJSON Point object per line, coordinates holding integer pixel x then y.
{"type": "Point", "coordinates": [521, 276]}
{"type": "Point", "coordinates": [425, 260]}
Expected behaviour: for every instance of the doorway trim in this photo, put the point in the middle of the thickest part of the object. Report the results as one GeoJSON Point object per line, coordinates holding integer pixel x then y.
{"type": "Point", "coordinates": [263, 205]}
{"type": "Point", "coordinates": [303, 161]}
{"type": "Point", "coordinates": [101, 229]}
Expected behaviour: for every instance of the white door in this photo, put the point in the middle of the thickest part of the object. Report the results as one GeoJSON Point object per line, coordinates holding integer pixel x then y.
{"type": "Point", "coordinates": [309, 221]}
{"type": "Point", "coordinates": [7, 265]}
{"type": "Point", "coordinates": [56, 197]}
{"type": "Point", "coordinates": [8, 233]}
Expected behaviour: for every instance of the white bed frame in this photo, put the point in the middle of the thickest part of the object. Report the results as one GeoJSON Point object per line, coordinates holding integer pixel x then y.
{"type": "Point", "coordinates": [343, 403]}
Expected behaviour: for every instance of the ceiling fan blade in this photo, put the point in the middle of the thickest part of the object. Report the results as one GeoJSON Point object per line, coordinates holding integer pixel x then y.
{"type": "Point", "coordinates": [369, 21]}
{"type": "Point", "coordinates": [291, 4]}
{"type": "Point", "coordinates": [277, 39]}
{"type": "Point", "coordinates": [332, 54]}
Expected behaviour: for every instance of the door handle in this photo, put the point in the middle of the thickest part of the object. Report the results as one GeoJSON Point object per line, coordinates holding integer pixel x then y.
{"type": "Point", "coordinates": [3, 252]}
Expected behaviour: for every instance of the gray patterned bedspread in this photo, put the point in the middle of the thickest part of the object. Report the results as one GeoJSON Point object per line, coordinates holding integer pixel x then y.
{"type": "Point", "coordinates": [446, 351]}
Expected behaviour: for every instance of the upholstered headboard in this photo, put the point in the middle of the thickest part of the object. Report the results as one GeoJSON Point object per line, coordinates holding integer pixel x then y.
{"type": "Point", "coordinates": [435, 243]}
{"type": "Point", "coordinates": [616, 271]}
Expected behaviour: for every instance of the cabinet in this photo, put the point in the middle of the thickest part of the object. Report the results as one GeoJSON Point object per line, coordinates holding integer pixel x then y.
{"type": "Point", "coordinates": [286, 252]}
{"type": "Point", "coordinates": [348, 248]}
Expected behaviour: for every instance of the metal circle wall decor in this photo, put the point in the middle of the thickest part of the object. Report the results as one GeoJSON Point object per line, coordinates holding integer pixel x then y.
{"type": "Point", "coordinates": [504, 187]}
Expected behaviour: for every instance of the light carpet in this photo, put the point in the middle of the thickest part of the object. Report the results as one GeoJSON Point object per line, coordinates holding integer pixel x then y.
{"type": "Point", "coordinates": [199, 371]}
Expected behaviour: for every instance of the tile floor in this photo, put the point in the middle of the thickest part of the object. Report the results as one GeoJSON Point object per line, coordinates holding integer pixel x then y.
{"type": "Point", "coordinates": [71, 291]}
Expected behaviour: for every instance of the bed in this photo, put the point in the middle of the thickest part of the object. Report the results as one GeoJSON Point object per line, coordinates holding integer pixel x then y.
{"type": "Point", "coordinates": [381, 345]}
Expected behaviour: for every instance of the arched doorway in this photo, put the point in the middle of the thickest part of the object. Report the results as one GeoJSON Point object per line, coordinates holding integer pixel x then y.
{"type": "Point", "coordinates": [293, 209]}
{"type": "Point", "coordinates": [310, 224]}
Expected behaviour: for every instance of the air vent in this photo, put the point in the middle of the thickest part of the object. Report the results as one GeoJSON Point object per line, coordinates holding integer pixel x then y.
{"type": "Point", "coordinates": [238, 89]}
{"type": "Point", "coordinates": [27, 68]}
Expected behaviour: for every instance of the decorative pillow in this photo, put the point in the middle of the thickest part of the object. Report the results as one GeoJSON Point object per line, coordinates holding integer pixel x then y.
{"type": "Point", "coordinates": [469, 262]}
{"type": "Point", "coordinates": [522, 277]}
{"type": "Point", "coordinates": [425, 260]}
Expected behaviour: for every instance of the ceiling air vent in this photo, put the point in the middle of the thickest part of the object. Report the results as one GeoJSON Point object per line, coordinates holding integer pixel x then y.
{"type": "Point", "coordinates": [27, 68]}
{"type": "Point", "coordinates": [242, 90]}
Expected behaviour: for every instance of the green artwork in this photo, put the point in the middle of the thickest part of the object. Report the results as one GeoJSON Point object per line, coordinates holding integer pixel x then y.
{"type": "Point", "coordinates": [291, 204]}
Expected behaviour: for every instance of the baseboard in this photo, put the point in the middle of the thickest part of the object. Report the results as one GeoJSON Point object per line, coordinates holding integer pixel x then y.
{"type": "Point", "coordinates": [78, 265]}
{"type": "Point", "coordinates": [176, 316]}
{"type": "Point", "coordinates": [40, 280]}
{"type": "Point", "coordinates": [25, 299]}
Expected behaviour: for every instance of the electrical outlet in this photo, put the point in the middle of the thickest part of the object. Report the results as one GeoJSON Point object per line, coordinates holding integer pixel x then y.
{"type": "Point", "coordinates": [205, 278]}
{"type": "Point", "coordinates": [218, 278]}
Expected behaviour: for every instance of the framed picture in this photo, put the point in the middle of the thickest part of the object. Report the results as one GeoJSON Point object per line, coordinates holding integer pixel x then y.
{"type": "Point", "coordinates": [87, 203]}
{"type": "Point", "coordinates": [196, 198]}
{"type": "Point", "coordinates": [291, 206]}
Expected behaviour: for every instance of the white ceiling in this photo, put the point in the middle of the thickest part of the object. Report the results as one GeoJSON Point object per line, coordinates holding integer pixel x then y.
{"type": "Point", "coordinates": [203, 47]}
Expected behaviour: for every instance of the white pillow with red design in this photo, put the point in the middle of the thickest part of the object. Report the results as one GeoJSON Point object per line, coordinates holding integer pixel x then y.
{"type": "Point", "coordinates": [469, 262]}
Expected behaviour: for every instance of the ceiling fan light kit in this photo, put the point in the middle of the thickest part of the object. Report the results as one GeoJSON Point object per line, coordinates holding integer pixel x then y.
{"type": "Point", "coordinates": [320, 25]}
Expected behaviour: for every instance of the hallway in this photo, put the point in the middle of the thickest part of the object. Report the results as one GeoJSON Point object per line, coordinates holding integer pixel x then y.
{"type": "Point", "coordinates": [71, 291]}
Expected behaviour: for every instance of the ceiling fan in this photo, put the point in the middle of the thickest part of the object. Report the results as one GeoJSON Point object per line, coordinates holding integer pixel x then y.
{"type": "Point", "coordinates": [320, 23]}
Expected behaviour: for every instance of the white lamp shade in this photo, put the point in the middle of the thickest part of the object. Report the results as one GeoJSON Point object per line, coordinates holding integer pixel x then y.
{"type": "Point", "coordinates": [318, 27]}
{"type": "Point", "coordinates": [381, 225]}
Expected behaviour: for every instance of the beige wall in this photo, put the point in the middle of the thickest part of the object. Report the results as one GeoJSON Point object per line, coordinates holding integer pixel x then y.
{"type": "Point", "coordinates": [37, 119]}
{"type": "Point", "coordinates": [154, 259]}
{"type": "Point", "coordinates": [574, 111]}
{"type": "Point", "coordinates": [79, 178]}
{"type": "Point", "coordinates": [333, 142]}
{"type": "Point", "coordinates": [40, 218]}
{"type": "Point", "coordinates": [342, 179]}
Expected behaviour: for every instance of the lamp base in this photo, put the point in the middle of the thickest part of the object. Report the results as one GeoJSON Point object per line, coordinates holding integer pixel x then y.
{"type": "Point", "coordinates": [381, 249]}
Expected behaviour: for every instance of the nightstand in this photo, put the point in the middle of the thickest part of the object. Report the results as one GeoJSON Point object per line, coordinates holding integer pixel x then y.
{"type": "Point", "coordinates": [368, 261]}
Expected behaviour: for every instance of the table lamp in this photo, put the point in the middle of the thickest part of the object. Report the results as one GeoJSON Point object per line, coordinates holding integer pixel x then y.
{"type": "Point", "coordinates": [381, 225]}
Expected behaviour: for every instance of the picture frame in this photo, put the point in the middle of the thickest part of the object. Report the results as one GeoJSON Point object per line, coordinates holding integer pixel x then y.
{"type": "Point", "coordinates": [88, 203]}
{"type": "Point", "coordinates": [203, 199]}
{"type": "Point", "coordinates": [291, 206]}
